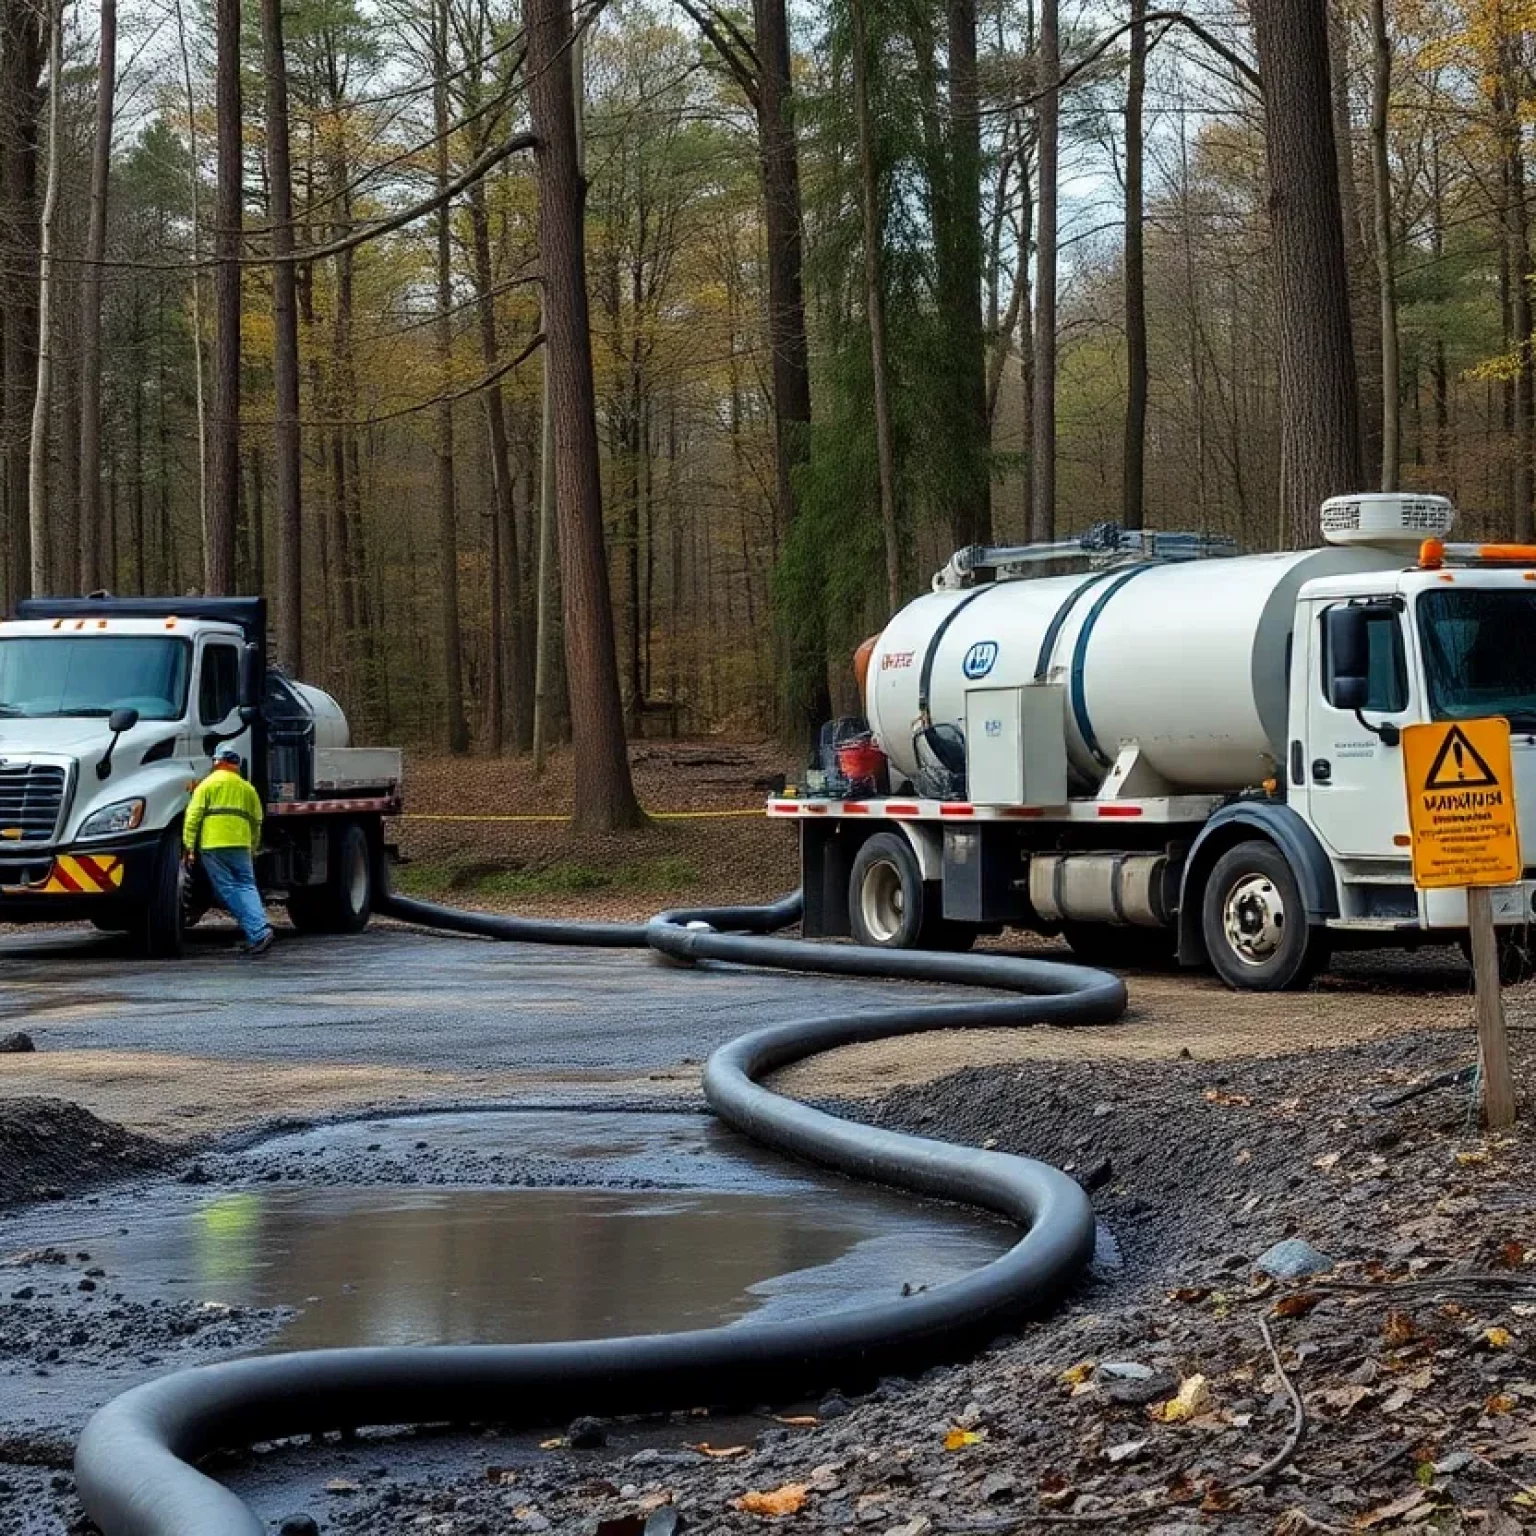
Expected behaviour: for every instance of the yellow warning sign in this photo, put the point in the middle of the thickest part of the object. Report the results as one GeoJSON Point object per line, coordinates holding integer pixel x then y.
{"type": "Point", "coordinates": [1461, 803]}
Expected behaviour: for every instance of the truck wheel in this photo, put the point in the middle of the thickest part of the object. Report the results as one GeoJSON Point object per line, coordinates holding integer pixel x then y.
{"type": "Point", "coordinates": [886, 899]}
{"type": "Point", "coordinates": [157, 927]}
{"type": "Point", "coordinates": [1517, 954]}
{"type": "Point", "coordinates": [1255, 922]}
{"type": "Point", "coordinates": [345, 902]}
{"type": "Point", "coordinates": [892, 908]}
{"type": "Point", "coordinates": [1119, 948]}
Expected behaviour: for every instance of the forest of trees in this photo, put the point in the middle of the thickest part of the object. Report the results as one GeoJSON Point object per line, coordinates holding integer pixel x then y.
{"type": "Point", "coordinates": [616, 367]}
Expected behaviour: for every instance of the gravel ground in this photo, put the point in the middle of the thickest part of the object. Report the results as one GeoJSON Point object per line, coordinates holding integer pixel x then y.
{"type": "Point", "coordinates": [1412, 1354]}
{"type": "Point", "coordinates": [49, 1148]}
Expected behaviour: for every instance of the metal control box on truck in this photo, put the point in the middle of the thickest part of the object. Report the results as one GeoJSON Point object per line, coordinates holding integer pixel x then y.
{"type": "Point", "coordinates": [110, 712]}
{"type": "Point", "coordinates": [1171, 753]}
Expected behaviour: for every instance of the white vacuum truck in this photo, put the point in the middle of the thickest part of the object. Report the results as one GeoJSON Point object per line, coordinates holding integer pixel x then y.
{"type": "Point", "coordinates": [1163, 755]}
{"type": "Point", "coordinates": [110, 711]}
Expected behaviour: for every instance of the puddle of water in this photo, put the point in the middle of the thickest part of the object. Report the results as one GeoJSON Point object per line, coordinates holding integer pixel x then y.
{"type": "Point", "coordinates": [725, 1237]}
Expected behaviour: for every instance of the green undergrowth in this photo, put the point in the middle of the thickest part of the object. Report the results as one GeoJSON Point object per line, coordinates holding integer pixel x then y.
{"type": "Point", "coordinates": [565, 877]}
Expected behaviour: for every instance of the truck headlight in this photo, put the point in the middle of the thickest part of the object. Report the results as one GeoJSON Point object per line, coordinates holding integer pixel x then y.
{"type": "Point", "coordinates": [111, 820]}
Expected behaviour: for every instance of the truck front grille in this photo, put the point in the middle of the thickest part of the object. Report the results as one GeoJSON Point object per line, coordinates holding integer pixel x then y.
{"type": "Point", "coordinates": [31, 797]}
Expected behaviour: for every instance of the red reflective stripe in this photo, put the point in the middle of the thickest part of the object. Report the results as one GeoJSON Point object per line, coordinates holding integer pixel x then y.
{"type": "Point", "coordinates": [1119, 810]}
{"type": "Point", "coordinates": [816, 810]}
{"type": "Point", "coordinates": [957, 810]}
{"type": "Point", "coordinates": [63, 876]}
{"type": "Point", "coordinates": [852, 808]}
{"type": "Point", "coordinates": [901, 810]}
{"type": "Point", "coordinates": [784, 810]}
{"type": "Point", "coordinates": [1024, 810]}
{"type": "Point", "coordinates": [102, 877]}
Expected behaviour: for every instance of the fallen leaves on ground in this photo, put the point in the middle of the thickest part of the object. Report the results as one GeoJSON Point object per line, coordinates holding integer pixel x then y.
{"type": "Point", "coordinates": [958, 1439]}
{"type": "Point", "coordinates": [1075, 1375]}
{"type": "Point", "coordinates": [1193, 1399]}
{"type": "Point", "coordinates": [1298, 1304]}
{"type": "Point", "coordinates": [1393, 1511]}
{"type": "Point", "coordinates": [722, 1452]}
{"type": "Point", "coordinates": [1496, 1338]}
{"type": "Point", "coordinates": [788, 1500]}
{"type": "Point", "coordinates": [1229, 1100]}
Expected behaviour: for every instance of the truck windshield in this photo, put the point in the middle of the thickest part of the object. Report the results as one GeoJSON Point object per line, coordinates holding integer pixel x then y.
{"type": "Point", "coordinates": [1480, 654]}
{"type": "Point", "coordinates": [57, 675]}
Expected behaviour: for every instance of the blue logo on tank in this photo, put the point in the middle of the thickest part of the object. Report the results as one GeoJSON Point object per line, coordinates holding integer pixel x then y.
{"type": "Point", "coordinates": [980, 659]}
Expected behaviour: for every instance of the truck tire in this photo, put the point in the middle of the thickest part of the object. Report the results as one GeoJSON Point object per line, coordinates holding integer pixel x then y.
{"type": "Point", "coordinates": [345, 902]}
{"type": "Point", "coordinates": [1254, 922]}
{"type": "Point", "coordinates": [1517, 954]}
{"type": "Point", "coordinates": [890, 905]}
{"type": "Point", "coordinates": [157, 928]}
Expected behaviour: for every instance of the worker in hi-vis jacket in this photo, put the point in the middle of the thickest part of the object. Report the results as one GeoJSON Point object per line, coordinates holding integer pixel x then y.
{"type": "Point", "coordinates": [222, 829]}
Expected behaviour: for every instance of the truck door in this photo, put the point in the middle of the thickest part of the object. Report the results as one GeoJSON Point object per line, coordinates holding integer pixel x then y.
{"type": "Point", "coordinates": [218, 698]}
{"type": "Point", "coordinates": [1355, 792]}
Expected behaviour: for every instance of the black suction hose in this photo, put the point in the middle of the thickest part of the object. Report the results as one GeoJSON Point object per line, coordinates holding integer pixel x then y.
{"type": "Point", "coordinates": [133, 1465]}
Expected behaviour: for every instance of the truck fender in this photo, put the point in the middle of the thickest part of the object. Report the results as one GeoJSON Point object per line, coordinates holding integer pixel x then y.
{"type": "Point", "coordinates": [927, 843]}
{"type": "Point", "coordinates": [1237, 823]}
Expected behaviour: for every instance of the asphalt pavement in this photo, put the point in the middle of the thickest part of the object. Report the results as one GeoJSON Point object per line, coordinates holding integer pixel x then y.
{"type": "Point", "coordinates": [401, 998]}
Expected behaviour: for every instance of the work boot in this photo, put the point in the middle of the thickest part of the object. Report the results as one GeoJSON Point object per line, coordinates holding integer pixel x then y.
{"type": "Point", "coordinates": [260, 947]}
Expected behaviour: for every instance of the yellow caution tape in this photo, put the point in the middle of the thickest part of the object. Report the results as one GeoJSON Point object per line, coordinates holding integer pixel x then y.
{"type": "Point", "coordinates": [654, 816]}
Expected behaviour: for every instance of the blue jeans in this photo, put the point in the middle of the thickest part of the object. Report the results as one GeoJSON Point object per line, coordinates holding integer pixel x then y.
{"type": "Point", "coordinates": [234, 883]}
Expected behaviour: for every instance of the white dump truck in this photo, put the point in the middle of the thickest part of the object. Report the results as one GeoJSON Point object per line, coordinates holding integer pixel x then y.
{"type": "Point", "coordinates": [110, 711]}
{"type": "Point", "coordinates": [1167, 753]}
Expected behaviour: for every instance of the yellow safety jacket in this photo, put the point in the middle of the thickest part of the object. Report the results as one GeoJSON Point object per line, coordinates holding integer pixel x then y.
{"type": "Point", "coordinates": [225, 812]}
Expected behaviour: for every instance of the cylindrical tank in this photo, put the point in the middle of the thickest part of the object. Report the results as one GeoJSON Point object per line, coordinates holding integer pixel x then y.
{"type": "Point", "coordinates": [331, 729]}
{"type": "Point", "coordinates": [1187, 660]}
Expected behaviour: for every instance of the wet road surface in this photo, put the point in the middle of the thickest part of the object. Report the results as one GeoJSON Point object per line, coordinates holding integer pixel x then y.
{"type": "Point", "coordinates": [396, 997]}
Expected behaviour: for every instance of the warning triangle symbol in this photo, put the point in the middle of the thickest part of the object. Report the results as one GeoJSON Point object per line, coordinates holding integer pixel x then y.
{"type": "Point", "coordinates": [1458, 765]}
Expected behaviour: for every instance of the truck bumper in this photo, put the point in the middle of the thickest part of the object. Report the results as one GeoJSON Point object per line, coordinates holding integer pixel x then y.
{"type": "Point", "coordinates": [63, 884]}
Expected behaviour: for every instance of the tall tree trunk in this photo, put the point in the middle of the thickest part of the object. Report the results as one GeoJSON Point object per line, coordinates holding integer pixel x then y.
{"type": "Point", "coordinates": [90, 305]}
{"type": "Point", "coordinates": [222, 513]}
{"type": "Point", "coordinates": [23, 51]}
{"type": "Point", "coordinates": [447, 517]}
{"type": "Point", "coordinates": [970, 495]}
{"type": "Point", "coordinates": [1381, 202]}
{"type": "Point", "coordinates": [1048, 130]}
{"type": "Point", "coordinates": [807, 699]}
{"type": "Point", "coordinates": [545, 596]}
{"type": "Point", "coordinates": [287, 461]}
{"type": "Point", "coordinates": [1521, 403]}
{"type": "Point", "coordinates": [511, 646]}
{"type": "Point", "coordinates": [1319, 393]}
{"type": "Point", "coordinates": [1133, 502]}
{"type": "Point", "coordinates": [1359, 241]}
{"type": "Point", "coordinates": [47, 289]}
{"type": "Point", "coordinates": [256, 553]}
{"type": "Point", "coordinates": [195, 296]}
{"type": "Point", "coordinates": [604, 796]}
{"type": "Point", "coordinates": [874, 304]}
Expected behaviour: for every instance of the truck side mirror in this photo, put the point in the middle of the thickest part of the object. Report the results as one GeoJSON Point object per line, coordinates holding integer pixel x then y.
{"type": "Point", "coordinates": [118, 721]}
{"type": "Point", "coordinates": [1349, 657]}
{"type": "Point", "coordinates": [250, 682]}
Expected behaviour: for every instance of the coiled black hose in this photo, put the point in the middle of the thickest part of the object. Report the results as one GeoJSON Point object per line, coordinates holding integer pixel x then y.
{"type": "Point", "coordinates": [133, 1464]}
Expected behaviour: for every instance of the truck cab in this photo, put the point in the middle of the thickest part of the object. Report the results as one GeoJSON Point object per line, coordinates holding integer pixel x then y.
{"type": "Point", "coordinates": [1450, 638]}
{"type": "Point", "coordinates": [110, 712]}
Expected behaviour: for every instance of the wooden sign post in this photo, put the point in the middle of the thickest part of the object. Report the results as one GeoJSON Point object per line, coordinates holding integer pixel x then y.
{"type": "Point", "coordinates": [1461, 811]}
